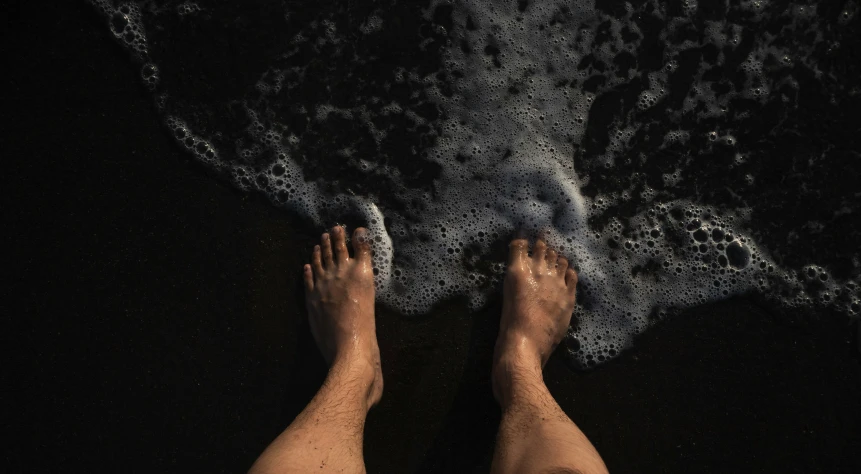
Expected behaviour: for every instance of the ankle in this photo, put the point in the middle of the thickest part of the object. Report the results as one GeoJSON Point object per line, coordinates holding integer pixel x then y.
{"type": "Point", "coordinates": [359, 364]}
{"type": "Point", "coordinates": [360, 371]}
{"type": "Point", "coordinates": [515, 370]}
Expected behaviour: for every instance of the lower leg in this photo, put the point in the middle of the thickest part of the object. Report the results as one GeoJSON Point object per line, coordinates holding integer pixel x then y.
{"type": "Point", "coordinates": [327, 435]}
{"type": "Point", "coordinates": [535, 435]}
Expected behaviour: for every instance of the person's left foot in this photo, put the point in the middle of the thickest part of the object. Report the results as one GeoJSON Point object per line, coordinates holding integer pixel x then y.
{"type": "Point", "coordinates": [340, 299]}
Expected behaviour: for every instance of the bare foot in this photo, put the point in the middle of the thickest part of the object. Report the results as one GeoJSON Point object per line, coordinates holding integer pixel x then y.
{"type": "Point", "coordinates": [340, 299]}
{"type": "Point", "coordinates": [538, 299]}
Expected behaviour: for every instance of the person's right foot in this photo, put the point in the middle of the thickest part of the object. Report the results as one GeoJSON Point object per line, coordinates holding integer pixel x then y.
{"type": "Point", "coordinates": [538, 300]}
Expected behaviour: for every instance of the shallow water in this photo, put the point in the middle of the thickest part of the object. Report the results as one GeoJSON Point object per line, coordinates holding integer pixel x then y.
{"type": "Point", "coordinates": [678, 154]}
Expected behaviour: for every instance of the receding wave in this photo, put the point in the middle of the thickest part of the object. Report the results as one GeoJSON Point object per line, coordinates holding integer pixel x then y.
{"type": "Point", "coordinates": [677, 154]}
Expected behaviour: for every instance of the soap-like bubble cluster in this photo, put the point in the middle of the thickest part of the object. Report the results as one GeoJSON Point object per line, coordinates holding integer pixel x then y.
{"type": "Point", "coordinates": [126, 24]}
{"type": "Point", "coordinates": [187, 8]}
{"type": "Point", "coordinates": [501, 125]}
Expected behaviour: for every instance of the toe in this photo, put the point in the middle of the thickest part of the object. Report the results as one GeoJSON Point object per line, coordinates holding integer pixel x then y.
{"type": "Point", "coordinates": [341, 253]}
{"type": "Point", "coordinates": [326, 246]}
{"type": "Point", "coordinates": [308, 278]}
{"type": "Point", "coordinates": [362, 244]}
{"type": "Point", "coordinates": [551, 260]}
{"type": "Point", "coordinates": [539, 251]}
{"type": "Point", "coordinates": [517, 251]}
{"type": "Point", "coordinates": [316, 261]}
{"type": "Point", "coordinates": [562, 265]}
{"type": "Point", "coordinates": [571, 281]}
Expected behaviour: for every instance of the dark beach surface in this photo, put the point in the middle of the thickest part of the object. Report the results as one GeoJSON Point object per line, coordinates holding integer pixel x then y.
{"type": "Point", "coordinates": [159, 319]}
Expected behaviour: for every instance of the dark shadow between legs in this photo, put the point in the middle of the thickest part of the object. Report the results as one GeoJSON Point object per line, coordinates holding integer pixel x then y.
{"type": "Point", "coordinates": [465, 444]}
{"type": "Point", "coordinates": [307, 371]}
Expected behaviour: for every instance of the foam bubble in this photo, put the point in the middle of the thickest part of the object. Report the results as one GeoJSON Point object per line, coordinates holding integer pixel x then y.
{"type": "Point", "coordinates": [511, 107]}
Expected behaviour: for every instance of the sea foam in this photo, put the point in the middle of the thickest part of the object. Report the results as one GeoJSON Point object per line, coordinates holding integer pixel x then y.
{"type": "Point", "coordinates": [515, 94]}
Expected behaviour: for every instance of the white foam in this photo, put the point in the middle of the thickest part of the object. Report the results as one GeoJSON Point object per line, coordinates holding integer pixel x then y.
{"type": "Point", "coordinates": [506, 162]}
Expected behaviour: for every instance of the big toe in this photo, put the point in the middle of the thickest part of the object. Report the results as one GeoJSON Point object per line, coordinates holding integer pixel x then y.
{"type": "Point", "coordinates": [517, 251]}
{"type": "Point", "coordinates": [362, 244]}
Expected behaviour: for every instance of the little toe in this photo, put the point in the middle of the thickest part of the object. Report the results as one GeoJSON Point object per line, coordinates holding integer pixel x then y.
{"type": "Point", "coordinates": [326, 247]}
{"type": "Point", "coordinates": [571, 280]}
{"type": "Point", "coordinates": [308, 278]}
{"type": "Point", "coordinates": [341, 253]}
{"type": "Point", "coordinates": [362, 244]}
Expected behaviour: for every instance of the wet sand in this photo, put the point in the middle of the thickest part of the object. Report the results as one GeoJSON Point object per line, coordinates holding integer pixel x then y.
{"type": "Point", "coordinates": [159, 320]}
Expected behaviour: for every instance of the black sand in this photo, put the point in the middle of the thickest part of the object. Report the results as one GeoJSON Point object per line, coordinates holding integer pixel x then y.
{"type": "Point", "coordinates": [158, 319]}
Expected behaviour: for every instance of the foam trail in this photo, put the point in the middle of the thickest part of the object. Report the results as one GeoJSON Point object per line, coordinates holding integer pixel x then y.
{"type": "Point", "coordinates": [511, 112]}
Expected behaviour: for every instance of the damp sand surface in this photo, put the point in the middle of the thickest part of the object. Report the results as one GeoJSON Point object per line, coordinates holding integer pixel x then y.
{"type": "Point", "coordinates": [162, 324]}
